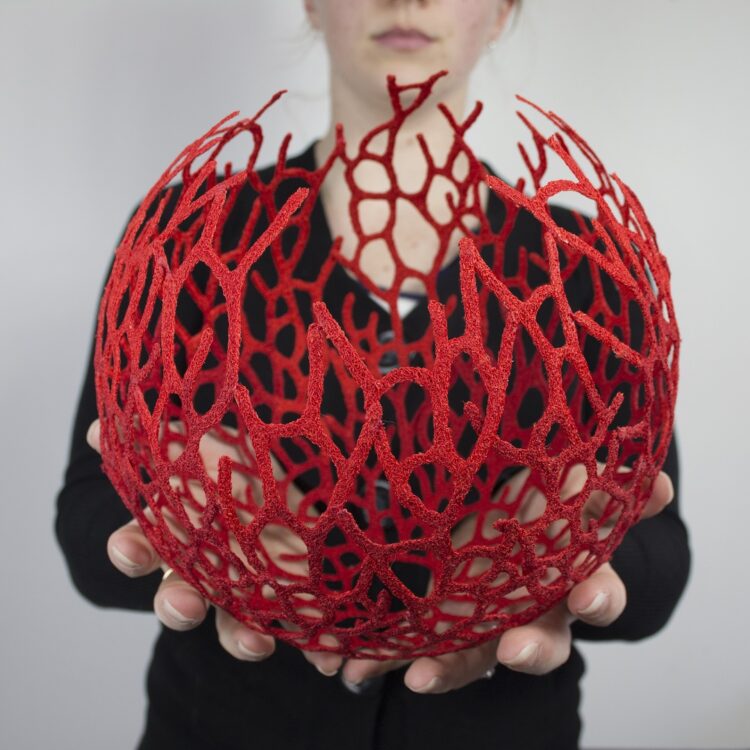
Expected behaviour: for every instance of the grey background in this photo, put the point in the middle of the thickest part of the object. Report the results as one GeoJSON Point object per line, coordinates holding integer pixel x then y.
{"type": "Point", "coordinates": [98, 97]}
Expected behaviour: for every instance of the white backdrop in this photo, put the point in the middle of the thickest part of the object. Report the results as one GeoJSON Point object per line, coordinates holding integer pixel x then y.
{"type": "Point", "coordinates": [98, 97]}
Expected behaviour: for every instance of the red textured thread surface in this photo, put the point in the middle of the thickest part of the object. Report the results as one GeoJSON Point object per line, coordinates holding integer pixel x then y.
{"type": "Point", "coordinates": [497, 559]}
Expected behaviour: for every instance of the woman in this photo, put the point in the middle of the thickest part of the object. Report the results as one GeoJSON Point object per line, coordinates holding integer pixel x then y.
{"type": "Point", "coordinates": [202, 693]}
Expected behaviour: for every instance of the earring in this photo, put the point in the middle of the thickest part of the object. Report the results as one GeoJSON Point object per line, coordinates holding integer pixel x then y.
{"type": "Point", "coordinates": [491, 45]}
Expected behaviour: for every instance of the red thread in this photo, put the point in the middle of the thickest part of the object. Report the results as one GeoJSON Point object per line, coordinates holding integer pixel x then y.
{"type": "Point", "coordinates": [504, 527]}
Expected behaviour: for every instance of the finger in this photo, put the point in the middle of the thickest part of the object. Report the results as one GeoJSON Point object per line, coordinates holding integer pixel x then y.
{"type": "Point", "coordinates": [240, 641]}
{"type": "Point", "coordinates": [439, 674]}
{"type": "Point", "coordinates": [131, 552]}
{"type": "Point", "coordinates": [539, 646]}
{"type": "Point", "coordinates": [600, 599]}
{"type": "Point", "coordinates": [662, 493]}
{"type": "Point", "coordinates": [178, 605]}
{"type": "Point", "coordinates": [356, 671]}
{"type": "Point", "coordinates": [326, 663]}
{"type": "Point", "coordinates": [93, 435]}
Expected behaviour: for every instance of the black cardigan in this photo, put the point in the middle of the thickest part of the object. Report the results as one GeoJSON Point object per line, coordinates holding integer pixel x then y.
{"type": "Point", "coordinates": [201, 697]}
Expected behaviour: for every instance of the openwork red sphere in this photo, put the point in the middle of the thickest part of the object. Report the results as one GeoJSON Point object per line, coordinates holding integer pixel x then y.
{"type": "Point", "coordinates": [345, 482]}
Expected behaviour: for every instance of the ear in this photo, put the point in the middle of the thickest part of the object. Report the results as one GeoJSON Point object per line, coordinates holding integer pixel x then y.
{"type": "Point", "coordinates": [311, 9]}
{"type": "Point", "coordinates": [501, 19]}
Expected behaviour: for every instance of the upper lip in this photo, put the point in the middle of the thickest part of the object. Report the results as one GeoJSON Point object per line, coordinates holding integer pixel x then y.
{"type": "Point", "coordinates": [403, 30]}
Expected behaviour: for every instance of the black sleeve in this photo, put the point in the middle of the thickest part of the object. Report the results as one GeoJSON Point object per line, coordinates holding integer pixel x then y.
{"type": "Point", "coordinates": [653, 561]}
{"type": "Point", "coordinates": [88, 506]}
{"type": "Point", "coordinates": [89, 510]}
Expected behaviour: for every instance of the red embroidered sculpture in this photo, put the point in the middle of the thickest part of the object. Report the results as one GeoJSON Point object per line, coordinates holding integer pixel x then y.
{"type": "Point", "coordinates": [498, 458]}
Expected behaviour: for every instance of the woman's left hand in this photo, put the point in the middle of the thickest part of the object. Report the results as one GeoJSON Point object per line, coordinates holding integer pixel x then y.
{"type": "Point", "coordinates": [537, 647]}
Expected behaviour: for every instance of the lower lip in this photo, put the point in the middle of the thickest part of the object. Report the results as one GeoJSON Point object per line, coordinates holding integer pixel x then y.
{"type": "Point", "coordinates": [403, 41]}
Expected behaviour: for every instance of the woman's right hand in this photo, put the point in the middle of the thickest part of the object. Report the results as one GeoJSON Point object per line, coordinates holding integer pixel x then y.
{"type": "Point", "coordinates": [177, 604]}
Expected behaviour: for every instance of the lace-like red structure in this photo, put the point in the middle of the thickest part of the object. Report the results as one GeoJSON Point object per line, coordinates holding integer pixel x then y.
{"type": "Point", "coordinates": [517, 437]}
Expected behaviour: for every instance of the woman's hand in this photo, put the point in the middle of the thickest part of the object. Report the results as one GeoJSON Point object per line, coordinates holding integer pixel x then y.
{"type": "Point", "coordinates": [177, 604]}
{"type": "Point", "coordinates": [536, 648]}
{"type": "Point", "coordinates": [539, 646]}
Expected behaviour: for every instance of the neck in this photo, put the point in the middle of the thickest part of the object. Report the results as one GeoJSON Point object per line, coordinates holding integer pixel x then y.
{"type": "Point", "coordinates": [359, 113]}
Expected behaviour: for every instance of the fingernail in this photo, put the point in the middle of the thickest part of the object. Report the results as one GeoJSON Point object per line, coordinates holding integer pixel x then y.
{"type": "Point", "coordinates": [92, 432]}
{"type": "Point", "coordinates": [124, 559]}
{"type": "Point", "coordinates": [427, 687]}
{"type": "Point", "coordinates": [526, 655]}
{"type": "Point", "coordinates": [177, 615]}
{"type": "Point", "coordinates": [249, 653]}
{"type": "Point", "coordinates": [596, 605]}
{"type": "Point", "coordinates": [354, 687]}
{"type": "Point", "coordinates": [326, 672]}
{"type": "Point", "coordinates": [367, 686]}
